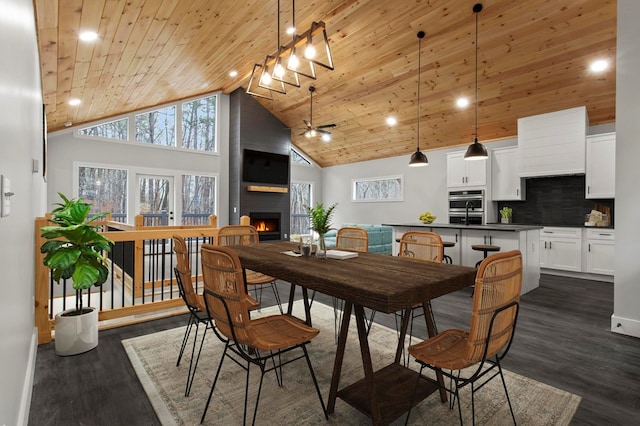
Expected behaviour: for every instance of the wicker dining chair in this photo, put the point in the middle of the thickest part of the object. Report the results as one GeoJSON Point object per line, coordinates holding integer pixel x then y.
{"type": "Point", "coordinates": [248, 235]}
{"type": "Point", "coordinates": [194, 302]}
{"type": "Point", "coordinates": [349, 238]}
{"type": "Point", "coordinates": [249, 341]}
{"type": "Point", "coordinates": [426, 246]}
{"type": "Point", "coordinates": [496, 302]}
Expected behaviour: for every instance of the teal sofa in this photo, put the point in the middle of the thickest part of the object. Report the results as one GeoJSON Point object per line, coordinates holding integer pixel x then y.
{"type": "Point", "coordinates": [380, 237]}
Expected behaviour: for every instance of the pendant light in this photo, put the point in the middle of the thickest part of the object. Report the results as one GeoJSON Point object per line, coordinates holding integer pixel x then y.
{"type": "Point", "coordinates": [476, 150]}
{"type": "Point", "coordinates": [418, 158]}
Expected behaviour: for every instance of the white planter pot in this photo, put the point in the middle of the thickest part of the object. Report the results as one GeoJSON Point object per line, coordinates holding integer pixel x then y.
{"type": "Point", "coordinates": [76, 334]}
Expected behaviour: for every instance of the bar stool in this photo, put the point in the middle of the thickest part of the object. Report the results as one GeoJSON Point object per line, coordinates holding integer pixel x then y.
{"type": "Point", "coordinates": [486, 248]}
{"type": "Point", "coordinates": [446, 257]}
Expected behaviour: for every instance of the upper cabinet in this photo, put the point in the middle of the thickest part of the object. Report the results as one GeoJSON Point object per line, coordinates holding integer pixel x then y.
{"type": "Point", "coordinates": [463, 173]}
{"type": "Point", "coordinates": [553, 143]}
{"type": "Point", "coordinates": [601, 166]}
{"type": "Point", "coordinates": [506, 183]}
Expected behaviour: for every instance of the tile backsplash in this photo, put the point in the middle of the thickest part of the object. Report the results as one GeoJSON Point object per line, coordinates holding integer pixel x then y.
{"type": "Point", "coordinates": [554, 201]}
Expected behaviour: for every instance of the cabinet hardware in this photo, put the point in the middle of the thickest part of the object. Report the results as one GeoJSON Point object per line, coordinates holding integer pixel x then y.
{"type": "Point", "coordinates": [549, 244]}
{"type": "Point", "coordinates": [518, 192]}
{"type": "Point", "coordinates": [548, 232]}
{"type": "Point", "coordinates": [545, 244]}
{"type": "Point", "coordinates": [589, 247]}
{"type": "Point", "coordinates": [604, 235]}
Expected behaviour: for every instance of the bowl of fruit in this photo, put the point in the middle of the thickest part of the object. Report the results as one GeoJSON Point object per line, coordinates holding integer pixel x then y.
{"type": "Point", "coordinates": [427, 217]}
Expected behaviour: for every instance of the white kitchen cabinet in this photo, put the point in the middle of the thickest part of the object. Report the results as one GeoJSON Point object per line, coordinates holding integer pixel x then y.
{"type": "Point", "coordinates": [561, 248]}
{"type": "Point", "coordinates": [506, 183]}
{"type": "Point", "coordinates": [554, 143]}
{"type": "Point", "coordinates": [598, 250]}
{"type": "Point", "coordinates": [504, 239]}
{"type": "Point", "coordinates": [601, 166]}
{"type": "Point", "coordinates": [463, 173]}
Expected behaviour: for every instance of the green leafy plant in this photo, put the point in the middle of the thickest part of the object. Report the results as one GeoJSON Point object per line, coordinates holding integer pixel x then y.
{"type": "Point", "coordinates": [506, 212]}
{"type": "Point", "coordinates": [320, 218]}
{"type": "Point", "coordinates": [74, 247]}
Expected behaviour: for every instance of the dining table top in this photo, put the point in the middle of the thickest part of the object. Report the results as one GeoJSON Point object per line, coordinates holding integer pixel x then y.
{"type": "Point", "coordinates": [380, 282]}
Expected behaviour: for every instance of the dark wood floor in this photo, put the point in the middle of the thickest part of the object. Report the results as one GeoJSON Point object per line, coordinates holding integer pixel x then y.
{"type": "Point", "coordinates": [563, 339]}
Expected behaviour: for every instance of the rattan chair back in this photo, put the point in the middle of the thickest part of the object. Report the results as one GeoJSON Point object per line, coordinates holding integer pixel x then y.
{"type": "Point", "coordinates": [496, 295]}
{"type": "Point", "coordinates": [235, 235]}
{"type": "Point", "coordinates": [229, 308]}
{"type": "Point", "coordinates": [183, 275]}
{"type": "Point", "coordinates": [422, 245]}
{"type": "Point", "coordinates": [352, 238]}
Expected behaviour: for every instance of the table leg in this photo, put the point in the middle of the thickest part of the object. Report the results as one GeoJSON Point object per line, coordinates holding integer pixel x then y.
{"type": "Point", "coordinates": [307, 306]}
{"type": "Point", "coordinates": [367, 366]}
{"type": "Point", "coordinates": [403, 333]}
{"type": "Point", "coordinates": [292, 294]}
{"type": "Point", "coordinates": [431, 329]}
{"type": "Point", "coordinates": [337, 364]}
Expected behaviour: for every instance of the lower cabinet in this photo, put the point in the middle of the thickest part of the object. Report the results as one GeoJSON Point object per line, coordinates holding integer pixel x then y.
{"type": "Point", "coordinates": [561, 248]}
{"type": "Point", "coordinates": [578, 249]}
{"type": "Point", "coordinates": [505, 240]}
{"type": "Point", "coordinates": [599, 251]}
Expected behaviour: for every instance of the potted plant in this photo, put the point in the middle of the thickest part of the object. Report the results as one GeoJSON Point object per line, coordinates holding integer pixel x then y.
{"type": "Point", "coordinates": [320, 220]}
{"type": "Point", "coordinates": [74, 250]}
{"type": "Point", "coordinates": [505, 215]}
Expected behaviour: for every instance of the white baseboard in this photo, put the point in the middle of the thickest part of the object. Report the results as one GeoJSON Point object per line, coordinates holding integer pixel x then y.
{"type": "Point", "coordinates": [582, 275]}
{"type": "Point", "coordinates": [627, 326]}
{"type": "Point", "coordinates": [27, 388]}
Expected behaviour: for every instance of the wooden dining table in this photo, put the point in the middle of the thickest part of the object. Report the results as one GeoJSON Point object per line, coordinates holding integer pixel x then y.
{"type": "Point", "coordinates": [379, 282]}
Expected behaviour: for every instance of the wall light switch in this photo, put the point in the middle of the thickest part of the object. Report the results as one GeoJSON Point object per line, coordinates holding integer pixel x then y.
{"type": "Point", "coordinates": [5, 196]}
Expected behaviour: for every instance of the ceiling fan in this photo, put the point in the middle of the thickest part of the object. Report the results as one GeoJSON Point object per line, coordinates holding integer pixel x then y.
{"type": "Point", "coordinates": [312, 130]}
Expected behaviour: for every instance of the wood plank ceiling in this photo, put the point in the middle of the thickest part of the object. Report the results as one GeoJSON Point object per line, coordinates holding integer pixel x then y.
{"type": "Point", "coordinates": [533, 58]}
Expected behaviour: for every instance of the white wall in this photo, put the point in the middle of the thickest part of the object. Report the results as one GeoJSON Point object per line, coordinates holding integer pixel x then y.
{"type": "Point", "coordinates": [21, 142]}
{"type": "Point", "coordinates": [425, 188]}
{"type": "Point", "coordinates": [65, 150]}
{"type": "Point", "coordinates": [626, 306]}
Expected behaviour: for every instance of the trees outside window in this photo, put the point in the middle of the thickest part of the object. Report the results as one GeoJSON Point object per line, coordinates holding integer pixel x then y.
{"type": "Point", "coordinates": [199, 124]}
{"type": "Point", "coordinates": [378, 189]}
{"type": "Point", "coordinates": [300, 200]}
{"type": "Point", "coordinates": [105, 189]}
{"type": "Point", "coordinates": [118, 129]}
{"type": "Point", "coordinates": [198, 199]}
{"type": "Point", "coordinates": [157, 127]}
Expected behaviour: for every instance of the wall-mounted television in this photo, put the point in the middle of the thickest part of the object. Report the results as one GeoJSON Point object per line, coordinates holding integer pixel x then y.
{"type": "Point", "coordinates": [265, 167]}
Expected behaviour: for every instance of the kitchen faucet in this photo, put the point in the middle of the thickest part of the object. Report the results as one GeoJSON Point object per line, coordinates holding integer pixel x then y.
{"type": "Point", "coordinates": [466, 211]}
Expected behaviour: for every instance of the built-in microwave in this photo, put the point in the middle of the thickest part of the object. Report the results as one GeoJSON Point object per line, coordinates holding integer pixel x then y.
{"type": "Point", "coordinates": [466, 207]}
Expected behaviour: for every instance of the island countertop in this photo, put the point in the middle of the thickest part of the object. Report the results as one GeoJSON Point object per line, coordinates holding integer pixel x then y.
{"type": "Point", "coordinates": [487, 227]}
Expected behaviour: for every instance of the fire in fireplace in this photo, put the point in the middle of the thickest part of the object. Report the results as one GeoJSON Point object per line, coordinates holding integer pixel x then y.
{"type": "Point", "coordinates": [267, 224]}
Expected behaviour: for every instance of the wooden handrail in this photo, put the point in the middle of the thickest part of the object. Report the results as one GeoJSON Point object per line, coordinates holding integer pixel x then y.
{"type": "Point", "coordinates": [124, 233]}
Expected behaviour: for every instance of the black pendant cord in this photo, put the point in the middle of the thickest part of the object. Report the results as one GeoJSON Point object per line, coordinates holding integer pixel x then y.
{"type": "Point", "coordinates": [476, 8]}
{"type": "Point", "coordinates": [420, 37]}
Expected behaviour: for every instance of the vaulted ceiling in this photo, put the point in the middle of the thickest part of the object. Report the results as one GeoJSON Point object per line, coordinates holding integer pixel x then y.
{"type": "Point", "coordinates": [533, 57]}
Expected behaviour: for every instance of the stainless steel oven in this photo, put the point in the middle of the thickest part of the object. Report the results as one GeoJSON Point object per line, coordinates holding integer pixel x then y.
{"type": "Point", "coordinates": [466, 207]}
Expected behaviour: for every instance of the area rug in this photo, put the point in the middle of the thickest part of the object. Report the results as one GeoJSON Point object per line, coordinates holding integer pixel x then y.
{"type": "Point", "coordinates": [296, 403]}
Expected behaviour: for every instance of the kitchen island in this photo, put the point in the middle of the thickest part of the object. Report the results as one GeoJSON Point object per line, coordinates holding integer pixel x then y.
{"type": "Point", "coordinates": [509, 237]}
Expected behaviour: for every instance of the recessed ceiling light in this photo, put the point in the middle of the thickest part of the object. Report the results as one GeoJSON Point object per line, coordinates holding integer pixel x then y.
{"type": "Point", "coordinates": [291, 30]}
{"type": "Point", "coordinates": [599, 65]}
{"type": "Point", "coordinates": [392, 121]}
{"type": "Point", "coordinates": [233, 73]}
{"type": "Point", "coordinates": [74, 102]}
{"type": "Point", "coordinates": [462, 102]}
{"type": "Point", "coordinates": [88, 36]}
{"type": "Point", "coordinates": [325, 137]}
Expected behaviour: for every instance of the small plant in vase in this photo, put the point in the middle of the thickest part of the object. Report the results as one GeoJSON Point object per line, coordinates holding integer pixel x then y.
{"type": "Point", "coordinates": [505, 215]}
{"type": "Point", "coordinates": [320, 221]}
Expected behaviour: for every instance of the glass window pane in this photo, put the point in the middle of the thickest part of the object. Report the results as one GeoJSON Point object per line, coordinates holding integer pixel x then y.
{"type": "Point", "coordinates": [198, 199]}
{"type": "Point", "coordinates": [297, 158]}
{"type": "Point", "coordinates": [157, 127]}
{"type": "Point", "coordinates": [378, 189]}
{"type": "Point", "coordinates": [105, 189]}
{"type": "Point", "coordinates": [199, 124]}
{"type": "Point", "coordinates": [300, 200]}
{"type": "Point", "coordinates": [118, 129]}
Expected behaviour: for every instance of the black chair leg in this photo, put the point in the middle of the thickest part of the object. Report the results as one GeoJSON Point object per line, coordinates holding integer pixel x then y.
{"type": "Point", "coordinates": [187, 332]}
{"type": "Point", "coordinates": [315, 381]}
{"type": "Point", "coordinates": [215, 380]}
{"type": "Point", "coordinates": [191, 375]}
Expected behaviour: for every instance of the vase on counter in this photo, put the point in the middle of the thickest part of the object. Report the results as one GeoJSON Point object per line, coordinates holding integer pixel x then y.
{"type": "Point", "coordinates": [505, 220]}
{"type": "Point", "coordinates": [321, 249]}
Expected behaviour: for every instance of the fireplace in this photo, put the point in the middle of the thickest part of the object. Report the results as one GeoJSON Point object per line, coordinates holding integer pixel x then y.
{"type": "Point", "coordinates": [267, 224]}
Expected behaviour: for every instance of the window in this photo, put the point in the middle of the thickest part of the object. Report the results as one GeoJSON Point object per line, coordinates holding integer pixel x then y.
{"type": "Point", "coordinates": [298, 159]}
{"type": "Point", "coordinates": [157, 127]}
{"type": "Point", "coordinates": [198, 199]}
{"type": "Point", "coordinates": [378, 189]}
{"type": "Point", "coordinates": [199, 124]}
{"type": "Point", "coordinates": [105, 189]}
{"type": "Point", "coordinates": [118, 129]}
{"type": "Point", "coordinates": [300, 200]}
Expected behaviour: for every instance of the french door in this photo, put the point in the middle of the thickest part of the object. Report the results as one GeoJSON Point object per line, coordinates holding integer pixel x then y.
{"type": "Point", "coordinates": [155, 199]}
